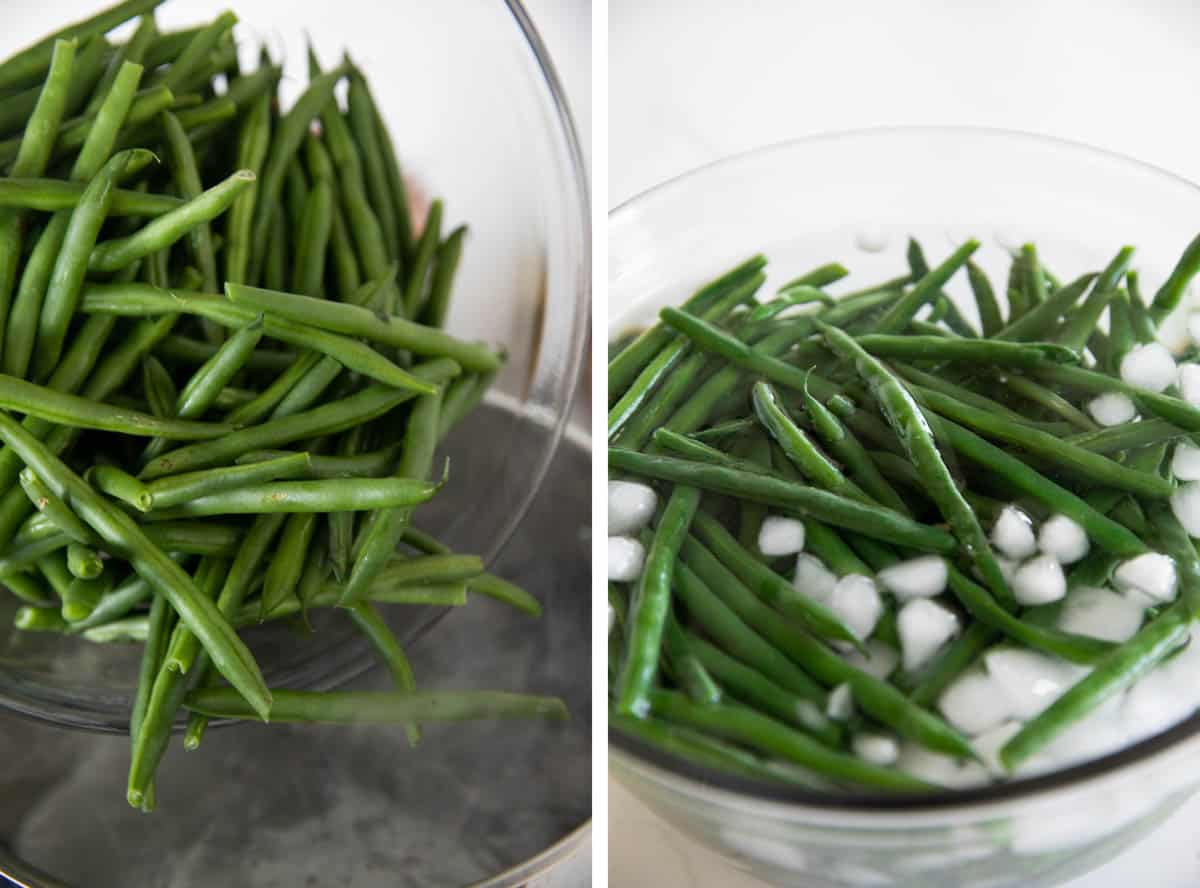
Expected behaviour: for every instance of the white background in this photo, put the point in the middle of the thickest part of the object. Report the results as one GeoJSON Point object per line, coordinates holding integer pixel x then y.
{"type": "Point", "coordinates": [691, 82]}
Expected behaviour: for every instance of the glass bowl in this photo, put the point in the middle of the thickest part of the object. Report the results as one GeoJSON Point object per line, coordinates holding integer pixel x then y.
{"type": "Point", "coordinates": [480, 119]}
{"type": "Point", "coordinates": [856, 197]}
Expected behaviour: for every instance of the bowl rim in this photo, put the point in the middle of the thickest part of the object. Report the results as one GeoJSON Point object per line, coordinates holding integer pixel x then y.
{"type": "Point", "coordinates": [867, 803]}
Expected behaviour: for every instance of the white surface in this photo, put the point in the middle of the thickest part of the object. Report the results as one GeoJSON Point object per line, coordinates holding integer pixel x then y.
{"type": "Point", "coordinates": [691, 82]}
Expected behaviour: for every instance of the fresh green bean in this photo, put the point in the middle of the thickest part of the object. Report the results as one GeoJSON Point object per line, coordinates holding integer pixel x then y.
{"type": "Point", "coordinates": [1078, 327]}
{"type": "Point", "coordinates": [51, 195]}
{"type": "Point", "coordinates": [347, 494]}
{"type": "Point", "coordinates": [283, 573]}
{"type": "Point", "coordinates": [768, 585]}
{"type": "Point", "coordinates": [1097, 468]}
{"type": "Point", "coordinates": [822, 505]}
{"type": "Point", "coordinates": [379, 707]}
{"type": "Point", "coordinates": [84, 564]}
{"type": "Point", "coordinates": [141, 299]}
{"type": "Point", "coordinates": [748, 727]}
{"type": "Point", "coordinates": [165, 230]}
{"type": "Point", "coordinates": [977, 351]}
{"type": "Point", "coordinates": [1121, 668]}
{"type": "Point", "coordinates": [1170, 294]}
{"type": "Point", "coordinates": [651, 604]}
{"type": "Point", "coordinates": [445, 266]}
{"type": "Point", "coordinates": [53, 508]}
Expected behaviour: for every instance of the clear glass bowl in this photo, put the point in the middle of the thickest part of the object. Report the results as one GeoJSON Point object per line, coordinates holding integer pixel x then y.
{"type": "Point", "coordinates": [479, 118]}
{"type": "Point", "coordinates": [856, 197]}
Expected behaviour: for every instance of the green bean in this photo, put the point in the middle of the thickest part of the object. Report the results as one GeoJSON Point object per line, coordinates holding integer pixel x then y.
{"type": "Point", "coordinates": [829, 546]}
{"type": "Point", "coordinates": [437, 569]}
{"type": "Point", "coordinates": [1172, 409]}
{"type": "Point", "coordinates": [142, 299]}
{"type": "Point", "coordinates": [944, 305]}
{"type": "Point", "coordinates": [131, 630]}
{"type": "Point", "coordinates": [876, 697]}
{"type": "Point", "coordinates": [371, 403]}
{"type": "Point", "coordinates": [1127, 436]}
{"type": "Point", "coordinates": [979, 351]}
{"type": "Point", "coordinates": [651, 604]}
{"type": "Point", "coordinates": [27, 555]}
{"type": "Point", "coordinates": [88, 63]}
{"type": "Point", "coordinates": [906, 419]}
{"type": "Point", "coordinates": [1050, 400]}
{"type": "Point", "coordinates": [188, 70]}
{"type": "Point", "coordinates": [253, 142]}
{"type": "Point", "coordinates": [373, 463]}
{"type": "Point", "coordinates": [361, 118]}
{"type": "Point", "coordinates": [185, 350]}
{"type": "Point", "coordinates": [174, 490]}
{"type": "Point", "coordinates": [79, 412]}
{"type": "Point", "coordinates": [84, 564]}
{"type": "Point", "coordinates": [73, 133]}
{"type": "Point", "coordinates": [1074, 648]}
{"type": "Point", "coordinates": [131, 52]}
{"type": "Point", "coordinates": [683, 667]}
{"type": "Point", "coordinates": [341, 495]}
{"type": "Point", "coordinates": [51, 195]}
{"type": "Point", "coordinates": [1078, 327]}
{"type": "Point", "coordinates": [66, 279]}
{"type": "Point", "coordinates": [699, 748]}
{"type": "Point", "coordinates": [384, 641]}
{"type": "Point", "coordinates": [759, 691]}
{"type": "Point", "coordinates": [1041, 319]}
{"type": "Point", "coordinates": [379, 707]}
{"type": "Point", "coordinates": [187, 182]}
{"type": "Point", "coordinates": [364, 225]}
{"type": "Point", "coordinates": [896, 318]}
{"type": "Point", "coordinates": [1097, 468]}
{"type": "Point", "coordinates": [165, 230]}
{"type": "Point", "coordinates": [821, 276]}
{"type": "Point", "coordinates": [28, 589]}
{"type": "Point", "coordinates": [1169, 295]}
{"type": "Point", "coordinates": [166, 696]}
{"type": "Point", "coordinates": [230, 655]}
{"type": "Point", "coordinates": [798, 447]}
{"type": "Point", "coordinates": [662, 384]}
{"type": "Point", "coordinates": [39, 619]}
{"type": "Point", "coordinates": [251, 412]}
{"type": "Point", "coordinates": [625, 367]}
{"type": "Point", "coordinates": [283, 573]}
{"type": "Point", "coordinates": [359, 322]}
{"type": "Point", "coordinates": [822, 505]}
{"type": "Point", "coordinates": [499, 589]}
{"type": "Point", "coordinates": [445, 266]}
{"type": "Point", "coordinates": [295, 198]}
{"type": "Point", "coordinates": [32, 156]}
{"type": "Point", "coordinates": [727, 628]}
{"type": "Point", "coordinates": [1121, 668]}
{"type": "Point", "coordinates": [846, 447]}
{"type": "Point", "coordinates": [120, 485]}
{"type": "Point", "coordinates": [1103, 531]}
{"type": "Point", "coordinates": [937, 383]}
{"type": "Point", "coordinates": [57, 511]}
{"type": "Point", "coordinates": [159, 388]}
{"type": "Point", "coordinates": [790, 299]}
{"type": "Point", "coordinates": [755, 450]}
{"type": "Point", "coordinates": [746, 726]}
{"type": "Point", "coordinates": [435, 595]}
{"type": "Point", "coordinates": [768, 585]}
{"type": "Point", "coordinates": [286, 140]}
{"type": "Point", "coordinates": [391, 168]}
{"type": "Point", "coordinates": [985, 300]}
{"type": "Point", "coordinates": [312, 244]}
{"type": "Point", "coordinates": [385, 529]}
{"type": "Point", "coordinates": [423, 257]}
{"type": "Point", "coordinates": [114, 606]}
{"type": "Point", "coordinates": [167, 46]}
{"type": "Point", "coordinates": [753, 358]}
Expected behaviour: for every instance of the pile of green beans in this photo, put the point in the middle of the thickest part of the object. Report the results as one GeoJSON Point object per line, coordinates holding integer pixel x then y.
{"type": "Point", "coordinates": [224, 374]}
{"type": "Point", "coordinates": [893, 428]}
